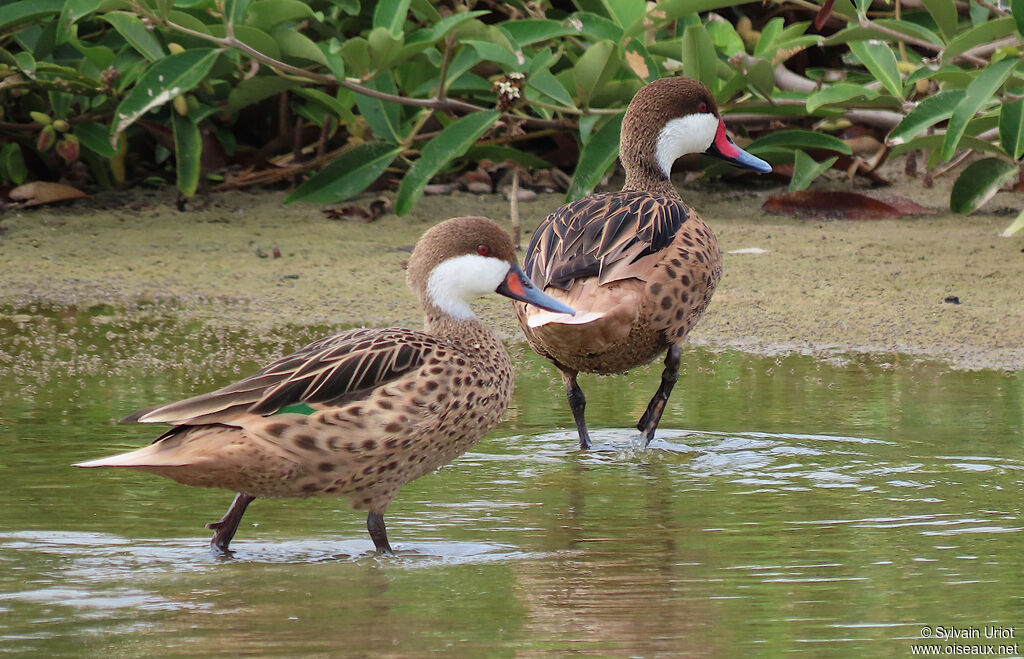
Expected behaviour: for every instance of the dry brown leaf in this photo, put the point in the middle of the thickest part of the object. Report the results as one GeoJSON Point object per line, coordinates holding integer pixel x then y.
{"type": "Point", "coordinates": [44, 192]}
{"type": "Point", "coordinates": [831, 204]}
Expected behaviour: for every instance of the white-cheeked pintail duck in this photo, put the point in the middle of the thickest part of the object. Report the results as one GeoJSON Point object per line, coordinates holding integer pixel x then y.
{"type": "Point", "coordinates": [639, 265]}
{"type": "Point", "coordinates": [360, 414]}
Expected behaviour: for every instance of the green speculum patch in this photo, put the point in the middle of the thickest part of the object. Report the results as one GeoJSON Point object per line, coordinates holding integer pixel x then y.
{"type": "Point", "coordinates": [298, 408]}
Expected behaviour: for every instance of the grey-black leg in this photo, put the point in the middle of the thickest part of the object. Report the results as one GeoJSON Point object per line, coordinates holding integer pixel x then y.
{"type": "Point", "coordinates": [228, 524]}
{"type": "Point", "coordinates": [378, 532]}
{"type": "Point", "coordinates": [578, 406]}
{"type": "Point", "coordinates": [652, 416]}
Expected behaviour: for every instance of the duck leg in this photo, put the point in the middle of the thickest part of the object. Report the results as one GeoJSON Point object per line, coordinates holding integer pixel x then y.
{"type": "Point", "coordinates": [379, 533]}
{"type": "Point", "coordinates": [578, 405]}
{"type": "Point", "coordinates": [228, 524]}
{"type": "Point", "coordinates": [649, 421]}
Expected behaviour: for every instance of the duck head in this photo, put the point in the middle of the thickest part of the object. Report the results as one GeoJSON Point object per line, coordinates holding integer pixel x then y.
{"type": "Point", "coordinates": [672, 117]}
{"type": "Point", "coordinates": [464, 258]}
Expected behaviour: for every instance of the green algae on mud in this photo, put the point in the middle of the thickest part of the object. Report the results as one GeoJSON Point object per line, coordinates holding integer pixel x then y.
{"type": "Point", "coordinates": [822, 288]}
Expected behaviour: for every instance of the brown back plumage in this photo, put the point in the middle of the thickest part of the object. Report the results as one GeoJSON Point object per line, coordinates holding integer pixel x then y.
{"type": "Point", "coordinates": [569, 245]}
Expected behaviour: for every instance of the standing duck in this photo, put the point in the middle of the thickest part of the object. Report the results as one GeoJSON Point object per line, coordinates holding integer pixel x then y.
{"type": "Point", "coordinates": [360, 414]}
{"type": "Point", "coordinates": [638, 266]}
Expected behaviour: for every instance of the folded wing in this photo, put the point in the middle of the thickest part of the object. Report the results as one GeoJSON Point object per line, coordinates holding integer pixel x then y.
{"type": "Point", "coordinates": [328, 372]}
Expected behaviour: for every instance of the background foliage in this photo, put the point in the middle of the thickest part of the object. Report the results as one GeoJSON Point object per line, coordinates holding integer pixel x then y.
{"type": "Point", "coordinates": [113, 92]}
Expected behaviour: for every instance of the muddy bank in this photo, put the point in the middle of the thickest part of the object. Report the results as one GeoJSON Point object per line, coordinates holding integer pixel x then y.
{"type": "Point", "coordinates": [821, 287]}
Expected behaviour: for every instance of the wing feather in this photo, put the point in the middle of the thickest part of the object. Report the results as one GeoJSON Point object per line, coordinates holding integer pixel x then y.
{"type": "Point", "coordinates": [601, 236]}
{"type": "Point", "coordinates": [328, 372]}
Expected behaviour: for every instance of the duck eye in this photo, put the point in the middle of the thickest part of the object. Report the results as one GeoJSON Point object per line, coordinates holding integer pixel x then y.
{"type": "Point", "coordinates": [483, 250]}
{"type": "Point", "coordinates": [703, 107]}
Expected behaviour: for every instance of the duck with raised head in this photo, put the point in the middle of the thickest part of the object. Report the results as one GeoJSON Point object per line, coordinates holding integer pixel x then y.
{"type": "Point", "coordinates": [360, 414]}
{"type": "Point", "coordinates": [639, 266]}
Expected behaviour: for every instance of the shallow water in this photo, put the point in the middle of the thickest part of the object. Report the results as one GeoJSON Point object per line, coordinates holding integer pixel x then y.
{"type": "Point", "coordinates": [789, 505]}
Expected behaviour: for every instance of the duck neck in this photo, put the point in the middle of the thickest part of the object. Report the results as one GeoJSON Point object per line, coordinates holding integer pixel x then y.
{"type": "Point", "coordinates": [463, 330]}
{"type": "Point", "coordinates": [643, 173]}
{"type": "Point", "coordinates": [648, 179]}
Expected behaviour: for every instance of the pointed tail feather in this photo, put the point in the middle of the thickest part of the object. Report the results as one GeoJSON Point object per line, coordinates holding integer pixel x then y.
{"type": "Point", "coordinates": [148, 456]}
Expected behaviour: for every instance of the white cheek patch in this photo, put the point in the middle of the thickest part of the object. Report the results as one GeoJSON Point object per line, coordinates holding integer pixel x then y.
{"type": "Point", "coordinates": [690, 134]}
{"type": "Point", "coordinates": [457, 280]}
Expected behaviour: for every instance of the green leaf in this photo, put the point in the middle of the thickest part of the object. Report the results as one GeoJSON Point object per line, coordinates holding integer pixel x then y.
{"type": "Point", "coordinates": [625, 12]}
{"type": "Point", "coordinates": [699, 57]}
{"type": "Point", "coordinates": [596, 158]}
{"type": "Point", "coordinates": [595, 67]}
{"type": "Point", "coordinates": [384, 117]}
{"type": "Point", "coordinates": [979, 182]}
{"type": "Point", "coordinates": [252, 91]}
{"type": "Point", "coordinates": [268, 14]}
{"type": "Point", "coordinates": [12, 164]}
{"type": "Point", "coordinates": [769, 34]}
{"type": "Point", "coordinates": [945, 15]}
{"type": "Point", "coordinates": [1014, 227]}
{"type": "Point", "coordinates": [384, 47]}
{"type": "Point", "coordinates": [136, 34]}
{"type": "Point", "coordinates": [805, 170]}
{"type": "Point", "coordinates": [638, 60]}
{"type": "Point", "coordinates": [188, 151]}
{"type": "Point", "coordinates": [25, 62]}
{"type": "Point", "coordinates": [295, 44]}
{"type": "Point", "coordinates": [493, 52]}
{"type": "Point", "coordinates": [984, 33]}
{"type": "Point", "coordinates": [187, 20]}
{"type": "Point", "coordinates": [801, 139]}
{"type": "Point", "coordinates": [439, 30]}
{"type": "Point", "coordinates": [390, 15]}
{"type": "Point", "coordinates": [329, 103]}
{"type": "Point", "coordinates": [73, 11]}
{"type": "Point", "coordinates": [837, 93]}
{"type": "Point", "coordinates": [99, 56]}
{"type": "Point", "coordinates": [449, 144]}
{"type": "Point", "coordinates": [332, 56]}
{"type": "Point", "coordinates": [928, 112]}
{"type": "Point", "coordinates": [1011, 127]}
{"type": "Point", "coordinates": [96, 137]}
{"type": "Point", "coordinates": [163, 81]}
{"type": "Point", "coordinates": [880, 61]}
{"type": "Point", "coordinates": [350, 7]}
{"type": "Point", "coordinates": [548, 85]}
{"type": "Point", "coordinates": [530, 31]}
{"type": "Point", "coordinates": [27, 11]}
{"type": "Point", "coordinates": [356, 55]}
{"type": "Point", "coordinates": [680, 8]}
{"type": "Point", "coordinates": [425, 11]}
{"type": "Point", "coordinates": [875, 31]}
{"type": "Point", "coordinates": [597, 27]}
{"type": "Point", "coordinates": [725, 38]}
{"type": "Point", "coordinates": [347, 175]}
{"type": "Point", "coordinates": [934, 143]}
{"type": "Point", "coordinates": [761, 76]}
{"type": "Point", "coordinates": [1017, 11]}
{"type": "Point", "coordinates": [235, 11]}
{"type": "Point", "coordinates": [980, 92]}
{"type": "Point", "coordinates": [252, 37]}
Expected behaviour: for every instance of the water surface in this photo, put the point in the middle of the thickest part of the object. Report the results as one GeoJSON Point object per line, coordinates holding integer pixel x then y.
{"type": "Point", "coordinates": [789, 505]}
